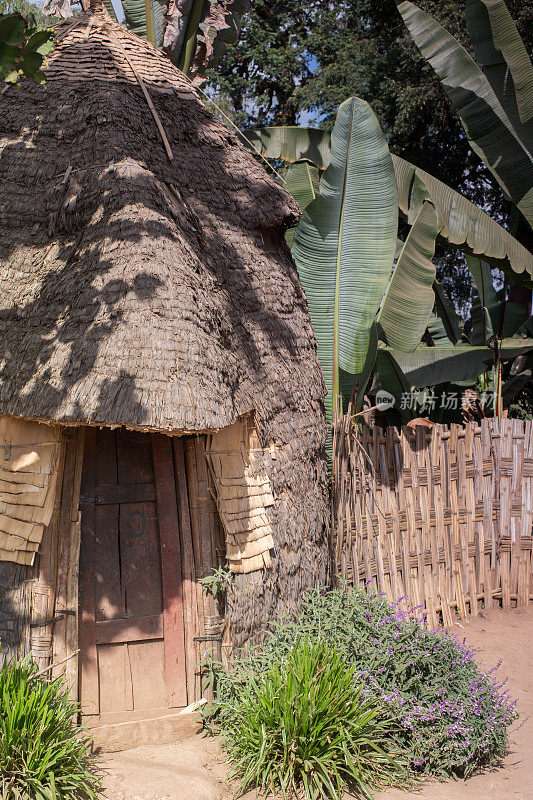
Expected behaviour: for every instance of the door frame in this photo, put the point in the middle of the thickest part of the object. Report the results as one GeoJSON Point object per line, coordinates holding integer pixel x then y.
{"type": "Point", "coordinates": [171, 576]}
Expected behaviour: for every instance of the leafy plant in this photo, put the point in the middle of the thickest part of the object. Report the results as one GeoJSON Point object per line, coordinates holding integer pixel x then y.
{"type": "Point", "coordinates": [450, 719]}
{"type": "Point", "coordinates": [417, 347]}
{"type": "Point", "coordinates": [344, 245]}
{"type": "Point", "coordinates": [418, 341]}
{"type": "Point", "coordinates": [43, 753]}
{"type": "Point", "coordinates": [217, 583]}
{"type": "Point", "coordinates": [493, 99]}
{"type": "Point", "coordinates": [23, 48]}
{"type": "Point", "coordinates": [302, 726]}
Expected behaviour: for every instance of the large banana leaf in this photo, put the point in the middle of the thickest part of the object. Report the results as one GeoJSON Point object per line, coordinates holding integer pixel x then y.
{"type": "Point", "coordinates": [489, 129]}
{"type": "Point", "coordinates": [409, 299]}
{"type": "Point", "coordinates": [345, 242]}
{"type": "Point", "coordinates": [460, 221]}
{"type": "Point", "coordinates": [301, 181]}
{"type": "Point", "coordinates": [429, 366]}
{"type": "Point", "coordinates": [502, 55]}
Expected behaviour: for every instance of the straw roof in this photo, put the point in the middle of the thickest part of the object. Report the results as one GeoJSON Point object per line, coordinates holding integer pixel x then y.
{"type": "Point", "coordinates": [141, 283]}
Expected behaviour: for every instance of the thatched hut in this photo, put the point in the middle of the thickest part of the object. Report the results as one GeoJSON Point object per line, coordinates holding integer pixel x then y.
{"type": "Point", "coordinates": [161, 398]}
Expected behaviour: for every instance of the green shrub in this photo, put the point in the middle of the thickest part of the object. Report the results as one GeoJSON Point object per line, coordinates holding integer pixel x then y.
{"type": "Point", "coordinates": [302, 726]}
{"type": "Point", "coordinates": [450, 718]}
{"type": "Point", "coordinates": [42, 755]}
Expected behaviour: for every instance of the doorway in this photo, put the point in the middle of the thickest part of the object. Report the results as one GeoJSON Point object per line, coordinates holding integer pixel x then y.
{"type": "Point", "coordinates": [131, 629]}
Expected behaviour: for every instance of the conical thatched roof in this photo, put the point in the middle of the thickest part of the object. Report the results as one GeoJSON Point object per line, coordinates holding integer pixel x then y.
{"type": "Point", "coordinates": [156, 292]}
{"type": "Point", "coordinates": [138, 289]}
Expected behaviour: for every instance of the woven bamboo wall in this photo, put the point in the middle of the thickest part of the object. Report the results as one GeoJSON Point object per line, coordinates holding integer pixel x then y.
{"type": "Point", "coordinates": [441, 516]}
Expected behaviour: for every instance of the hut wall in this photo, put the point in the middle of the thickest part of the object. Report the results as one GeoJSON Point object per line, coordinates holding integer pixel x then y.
{"type": "Point", "coordinates": [294, 460]}
{"type": "Point", "coordinates": [47, 591]}
{"type": "Point", "coordinates": [15, 608]}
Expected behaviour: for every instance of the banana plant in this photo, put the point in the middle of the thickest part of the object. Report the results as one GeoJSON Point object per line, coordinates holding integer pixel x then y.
{"type": "Point", "coordinates": [413, 305]}
{"type": "Point", "coordinates": [460, 222]}
{"type": "Point", "coordinates": [494, 99]}
{"type": "Point", "coordinates": [193, 33]}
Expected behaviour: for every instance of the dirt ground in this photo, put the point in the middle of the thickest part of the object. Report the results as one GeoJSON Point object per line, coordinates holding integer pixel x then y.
{"type": "Point", "coordinates": [196, 770]}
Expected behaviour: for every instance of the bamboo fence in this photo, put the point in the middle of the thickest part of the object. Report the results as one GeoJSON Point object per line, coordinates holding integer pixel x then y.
{"type": "Point", "coordinates": [439, 518]}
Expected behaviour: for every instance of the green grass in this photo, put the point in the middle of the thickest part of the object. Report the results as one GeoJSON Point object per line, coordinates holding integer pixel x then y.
{"type": "Point", "coordinates": [302, 728]}
{"type": "Point", "coordinates": [43, 754]}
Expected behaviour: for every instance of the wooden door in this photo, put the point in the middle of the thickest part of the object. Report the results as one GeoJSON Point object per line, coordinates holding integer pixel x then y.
{"type": "Point", "coordinates": [131, 616]}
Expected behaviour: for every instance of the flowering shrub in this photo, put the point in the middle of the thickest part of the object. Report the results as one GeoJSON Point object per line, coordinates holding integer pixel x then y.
{"type": "Point", "coordinates": [451, 718]}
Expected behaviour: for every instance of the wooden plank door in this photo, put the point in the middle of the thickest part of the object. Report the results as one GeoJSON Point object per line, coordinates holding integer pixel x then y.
{"type": "Point", "coordinates": [131, 616]}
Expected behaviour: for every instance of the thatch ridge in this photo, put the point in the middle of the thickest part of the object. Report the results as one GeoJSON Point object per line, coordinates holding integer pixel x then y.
{"type": "Point", "coordinates": [152, 293]}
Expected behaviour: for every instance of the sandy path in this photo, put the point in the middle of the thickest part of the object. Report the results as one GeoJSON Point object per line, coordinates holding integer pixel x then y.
{"type": "Point", "coordinates": [195, 769]}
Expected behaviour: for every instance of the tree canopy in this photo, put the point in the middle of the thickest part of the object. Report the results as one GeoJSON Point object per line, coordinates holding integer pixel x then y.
{"type": "Point", "coordinates": [298, 62]}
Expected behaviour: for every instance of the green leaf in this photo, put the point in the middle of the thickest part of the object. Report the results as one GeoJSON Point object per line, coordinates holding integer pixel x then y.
{"type": "Point", "coordinates": [34, 52]}
{"type": "Point", "coordinates": [344, 245]}
{"type": "Point", "coordinates": [409, 299]}
{"type": "Point", "coordinates": [364, 376]}
{"type": "Point", "coordinates": [460, 221]}
{"type": "Point", "coordinates": [515, 384]}
{"type": "Point", "coordinates": [515, 314]}
{"type": "Point", "coordinates": [428, 366]}
{"type": "Point", "coordinates": [489, 129]}
{"type": "Point", "coordinates": [301, 181]}
{"type": "Point", "coordinates": [502, 55]}
{"type": "Point", "coordinates": [490, 315]}
{"type": "Point", "coordinates": [12, 29]}
{"type": "Point", "coordinates": [144, 18]}
{"type": "Point", "coordinates": [40, 43]}
{"type": "Point", "coordinates": [444, 324]}
{"type": "Point", "coordinates": [353, 387]}
{"type": "Point", "coordinates": [485, 302]}
{"type": "Point", "coordinates": [390, 375]}
{"type": "Point", "coordinates": [291, 143]}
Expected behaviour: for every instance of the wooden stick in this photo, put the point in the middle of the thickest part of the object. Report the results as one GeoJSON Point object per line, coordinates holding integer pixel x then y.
{"type": "Point", "coordinates": [146, 95]}
{"type": "Point", "coordinates": [55, 664]}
